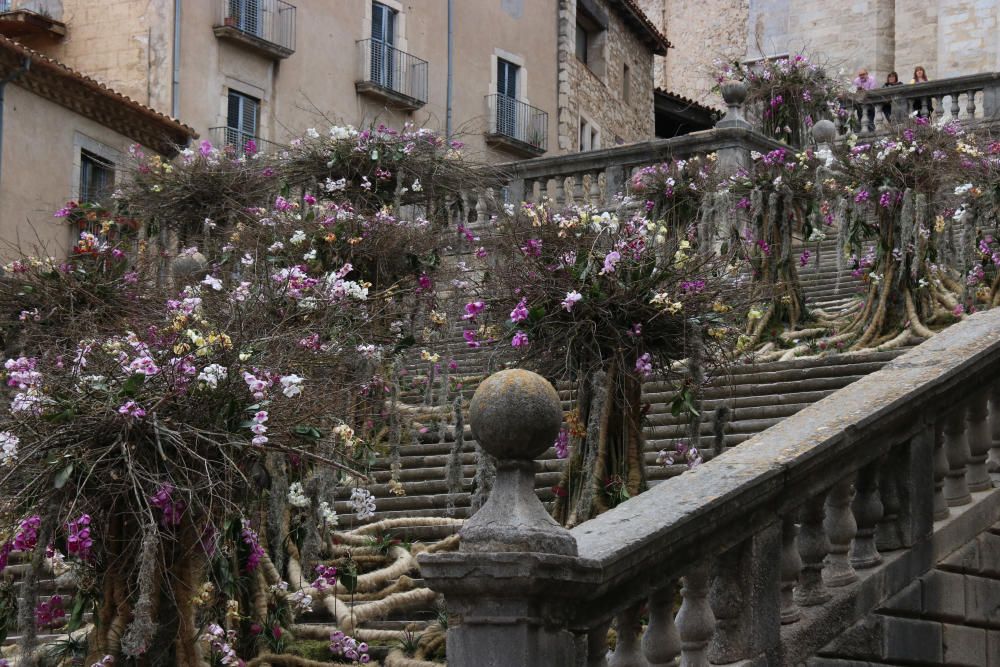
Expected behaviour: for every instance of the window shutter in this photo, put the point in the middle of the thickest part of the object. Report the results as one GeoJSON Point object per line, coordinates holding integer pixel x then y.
{"type": "Point", "coordinates": [233, 114]}
{"type": "Point", "coordinates": [249, 125]}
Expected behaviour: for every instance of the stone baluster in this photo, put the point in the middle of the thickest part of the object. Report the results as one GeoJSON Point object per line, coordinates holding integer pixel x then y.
{"type": "Point", "coordinates": [791, 566]}
{"type": "Point", "coordinates": [585, 183]}
{"type": "Point", "coordinates": [661, 644]}
{"type": "Point", "coordinates": [956, 488]}
{"type": "Point", "coordinates": [940, 463]}
{"type": "Point", "coordinates": [602, 190]}
{"type": "Point", "coordinates": [955, 107]}
{"type": "Point", "coordinates": [994, 462]}
{"type": "Point", "coordinates": [970, 104]}
{"type": "Point", "coordinates": [559, 198]}
{"type": "Point", "coordinates": [695, 620]}
{"type": "Point", "coordinates": [840, 528]}
{"type": "Point", "coordinates": [569, 187]}
{"type": "Point", "coordinates": [595, 189]}
{"type": "Point", "coordinates": [481, 209]}
{"type": "Point", "coordinates": [813, 547]}
{"type": "Point", "coordinates": [614, 182]}
{"type": "Point", "coordinates": [597, 645]}
{"type": "Point", "coordinates": [510, 587]}
{"type": "Point", "coordinates": [887, 537]}
{"type": "Point", "coordinates": [867, 508]}
{"type": "Point", "coordinates": [938, 108]}
{"type": "Point", "coordinates": [628, 627]}
{"type": "Point", "coordinates": [980, 439]}
{"type": "Point", "coordinates": [516, 191]}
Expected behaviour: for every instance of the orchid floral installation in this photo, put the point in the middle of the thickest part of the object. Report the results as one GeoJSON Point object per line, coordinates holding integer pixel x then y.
{"type": "Point", "coordinates": [190, 388]}
{"type": "Point", "coordinates": [606, 301]}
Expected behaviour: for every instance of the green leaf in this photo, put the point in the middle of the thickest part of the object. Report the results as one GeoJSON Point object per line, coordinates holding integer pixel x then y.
{"type": "Point", "coordinates": [76, 616]}
{"type": "Point", "coordinates": [536, 313]}
{"type": "Point", "coordinates": [310, 432]}
{"type": "Point", "coordinates": [131, 386]}
{"type": "Point", "coordinates": [350, 580]}
{"type": "Point", "coordinates": [63, 476]}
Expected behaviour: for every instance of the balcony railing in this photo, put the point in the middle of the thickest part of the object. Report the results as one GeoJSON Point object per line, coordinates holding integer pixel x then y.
{"type": "Point", "coordinates": [516, 125]}
{"type": "Point", "coordinates": [971, 99]}
{"type": "Point", "coordinates": [240, 142]}
{"type": "Point", "coordinates": [267, 26]}
{"type": "Point", "coordinates": [391, 75]}
{"type": "Point", "coordinates": [22, 19]}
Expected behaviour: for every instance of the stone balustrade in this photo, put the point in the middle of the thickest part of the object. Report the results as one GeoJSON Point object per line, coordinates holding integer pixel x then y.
{"type": "Point", "coordinates": [777, 546]}
{"type": "Point", "coordinates": [596, 177]}
{"type": "Point", "coordinates": [972, 99]}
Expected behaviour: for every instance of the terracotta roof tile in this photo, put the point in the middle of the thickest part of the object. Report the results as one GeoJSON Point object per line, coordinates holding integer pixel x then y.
{"type": "Point", "coordinates": [124, 115]}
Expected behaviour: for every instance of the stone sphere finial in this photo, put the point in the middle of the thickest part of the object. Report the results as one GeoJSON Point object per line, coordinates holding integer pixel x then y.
{"type": "Point", "coordinates": [824, 132]}
{"type": "Point", "coordinates": [191, 266]}
{"type": "Point", "coordinates": [515, 414]}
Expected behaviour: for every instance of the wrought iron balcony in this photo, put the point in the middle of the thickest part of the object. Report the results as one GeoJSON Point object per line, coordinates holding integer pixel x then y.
{"type": "Point", "coordinates": [515, 126]}
{"type": "Point", "coordinates": [390, 75]}
{"type": "Point", "coordinates": [240, 142]}
{"type": "Point", "coordinates": [266, 26]}
{"type": "Point", "coordinates": [18, 20]}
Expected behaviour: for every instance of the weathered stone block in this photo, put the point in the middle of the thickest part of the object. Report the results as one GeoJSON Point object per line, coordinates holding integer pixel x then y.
{"type": "Point", "coordinates": [912, 640]}
{"type": "Point", "coordinates": [909, 599]}
{"type": "Point", "coordinates": [993, 648]}
{"type": "Point", "coordinates": [965, 559]}
{"type": "Point", "coordinates": [964, 646]}
{"type": "Point", "coordinates": [944, 595]}
{"type": "Point", "coordinates": [982, 601]}
{"type": "Point", "coordinates": [989, 554]}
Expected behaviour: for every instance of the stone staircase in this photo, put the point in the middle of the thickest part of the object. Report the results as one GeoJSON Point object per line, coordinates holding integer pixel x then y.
{"type": "Point", "coordinates": [758, 395]}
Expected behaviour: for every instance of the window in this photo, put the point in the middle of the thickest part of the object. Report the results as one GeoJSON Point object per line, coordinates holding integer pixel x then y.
{"type": "Point", "coordinates": [97, 177]}
{"type": "Point", "coordinates": [581, 43]}
{"type": "Point", "coordinates": [242, 119]}
{"type": "Point", "coordinates": [507, 73]}
{"type": "Point", "coordinates": [591, 36]}
{"type": "Point", "coordinates": [383, 44]}
{"type": "Point", "coordinates": [626, 84]}
{"type": "Point", "coordinates": [590, 135]}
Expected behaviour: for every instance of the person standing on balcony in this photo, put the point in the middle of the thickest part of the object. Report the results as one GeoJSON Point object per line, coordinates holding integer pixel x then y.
{"type": "Point", "coordinates": [920, 76]}
{"type": "Point", "coordinates": [862, 84]}
{"type": "Point", "coordinates": [891, 80]}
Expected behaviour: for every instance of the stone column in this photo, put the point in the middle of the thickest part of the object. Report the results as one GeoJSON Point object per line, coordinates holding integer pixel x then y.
{"type": "Point", "coordinates": [695, 620]}
{"type": "Point", "coordinates": [956, 488]}
{"type": "Point", "coordinates": [994, 462]}
{"type": "Point", "coordinates": [627, 650]}
{"type": "Point", "coordinates": [791, 566]}
{"type": "Point", "coordinates": [940, 467]}
{"type": "Point", "coordinates": [840, 528]}
{"type": "Point", "coordinates": [661, 644]}
{"type": "Point", "coordinates": [980, 439]}
{"type": "Point", "coordinates": [813, 547]}
{"type": "Point", "coordinates": [867, 508]}
{"type": "Point", "coordinates": [511, 586]}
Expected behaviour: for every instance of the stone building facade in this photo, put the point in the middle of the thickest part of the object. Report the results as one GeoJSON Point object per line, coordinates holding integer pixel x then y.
{"type": "Point", "coordinates": [63, 135]}
{"type": "Point", "coordinates": [947, 37]}
{"type": "Point", "coordinates": [313, 64]}
{"type": "Point", "coordinates": [603, 66]}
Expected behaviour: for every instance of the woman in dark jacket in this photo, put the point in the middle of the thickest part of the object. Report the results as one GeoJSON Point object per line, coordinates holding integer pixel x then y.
{"type": "Point", "coordinates": [891, 80]}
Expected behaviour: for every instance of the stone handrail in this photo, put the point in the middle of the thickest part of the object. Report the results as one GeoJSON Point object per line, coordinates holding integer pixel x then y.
{"type": "Point", "coordinates": [595, 177]}
{"type": "Point", "coordinates": [776, 543]}
{"type": "Point", "coordinates": [974, 98]}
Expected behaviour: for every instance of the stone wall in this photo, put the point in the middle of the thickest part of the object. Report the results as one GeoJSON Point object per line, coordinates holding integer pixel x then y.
{"type": "Point", "coordinates": [700, 31]}
{"type": "Point", "coordinates": [948, 37]}
{"type": "Point", "coordinates": [125, 44]}
{"type": "Point", "coordinates": [598, 97]}
{"type": "Point", "coordinates": [949, 616]}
